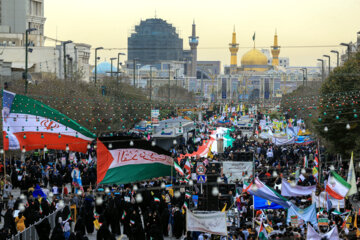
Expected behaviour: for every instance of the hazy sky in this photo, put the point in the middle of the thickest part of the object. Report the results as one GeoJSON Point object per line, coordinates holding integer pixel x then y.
{"type": "Point", "coordinates": [314, 23]}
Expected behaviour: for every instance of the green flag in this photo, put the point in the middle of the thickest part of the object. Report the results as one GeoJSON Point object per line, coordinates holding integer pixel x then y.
{"type": "Point", "coordinates": [254, 37]}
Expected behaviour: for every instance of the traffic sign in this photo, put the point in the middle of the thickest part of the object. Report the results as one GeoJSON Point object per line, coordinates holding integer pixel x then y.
{"type": "Point", "coordinates": [200, 170]}
{"type": "Point", "coordinates": [201, 178]}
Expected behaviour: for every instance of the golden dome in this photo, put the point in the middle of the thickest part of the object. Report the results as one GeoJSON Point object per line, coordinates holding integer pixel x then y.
{"type": "Point", "coordinates": [254, 60]}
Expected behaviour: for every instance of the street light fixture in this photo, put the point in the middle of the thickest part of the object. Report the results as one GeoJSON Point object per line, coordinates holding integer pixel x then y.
{"type": "Point", "coordinates": [322, 69]}
{"type": "Point", "coordinates": [111, 70]}
{"type": "Point", "coordinates": [26, 56]}
{"type": "Point", "coordinates": [118, 64]}
{"type": "Point", "coordinates": [64, 48]}
{"type": "Point", "coordinates": [96, 58]}
{"type": "Point", "coordinates": [337, 56]}
{"type": "Point", "coordinates": [348, 48]}
{"type": "Point", "coordinates": [327, 56]}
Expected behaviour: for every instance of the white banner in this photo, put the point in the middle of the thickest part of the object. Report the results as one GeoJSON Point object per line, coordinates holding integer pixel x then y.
{"type": "Point", "coordinates": [333, 234]}
{"type": "Point", "coordinates": [283, 141]}
{"type": "Point", "coordinates": [322, 203]}
{"type": "Point", "coordinates": [295, 191]}
{"type": "Point", "coordinates": [237, 170]}
{"type": "Point", "coordinates": [214, 223]}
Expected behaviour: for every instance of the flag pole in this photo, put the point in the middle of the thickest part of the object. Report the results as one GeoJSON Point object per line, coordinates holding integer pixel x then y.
{"type": "Point", "coordinates": [253, 212]}
{"type": "Point", "coordinates": [4, 168]}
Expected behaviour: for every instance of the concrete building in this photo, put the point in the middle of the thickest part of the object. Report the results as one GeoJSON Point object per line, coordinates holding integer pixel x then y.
{"type": "Point", "coordinates": [49, 60]}
{"type": "Point", "coordinates": [19, 15]}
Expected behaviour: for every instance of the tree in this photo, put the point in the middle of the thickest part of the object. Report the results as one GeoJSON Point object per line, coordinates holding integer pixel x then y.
{"type": "Point", "coordinates": [339, 106]}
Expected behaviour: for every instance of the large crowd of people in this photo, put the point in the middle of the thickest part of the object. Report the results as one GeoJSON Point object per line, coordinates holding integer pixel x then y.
{"type": "Point", "coordinates": [41, 184]}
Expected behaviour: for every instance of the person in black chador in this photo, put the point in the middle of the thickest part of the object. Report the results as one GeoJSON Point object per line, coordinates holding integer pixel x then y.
{"type": "Point", "coordinates": [104, 232]}
{"type": "Point", "coordinates": [136, 229]}
{"type": "Point", "coordinates": [178, 223]}
{"type": "Point", "coordinates": [165, 221]}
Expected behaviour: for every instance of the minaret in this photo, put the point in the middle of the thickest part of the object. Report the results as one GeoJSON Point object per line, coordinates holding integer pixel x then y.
{"type": "Point", "coordinates": [233, 47]}
{"type": "Point", "coordinates": [193, 42]}
{"type": "Point", "coordinates": [275, 51]}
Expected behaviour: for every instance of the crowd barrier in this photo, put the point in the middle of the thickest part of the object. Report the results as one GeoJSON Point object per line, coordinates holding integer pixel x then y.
{"type": "Point", "coordinates": [30, 232]}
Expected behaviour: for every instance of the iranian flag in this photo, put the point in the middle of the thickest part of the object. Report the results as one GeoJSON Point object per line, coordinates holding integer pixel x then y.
{"type": "Point", "coordinates": [336, 186]}
{"type": "Point", "coordinates": [29, 124]}
{"type": "Point", "coordinates": [123, 159]}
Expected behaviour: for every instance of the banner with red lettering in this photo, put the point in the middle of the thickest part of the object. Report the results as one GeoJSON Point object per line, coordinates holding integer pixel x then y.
{"type": "Point", "coordinates": [123, 159]}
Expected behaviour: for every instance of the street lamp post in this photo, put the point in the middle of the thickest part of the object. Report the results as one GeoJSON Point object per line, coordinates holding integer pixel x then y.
{"type": "Point", "coordinates": [26, 56]}
{"type": "Point", "coordinates": [169, 83]}
{"type": "Point", "coordinates": [96, 58]}
{"type": "Point", "coordinates": [322, 69]}
{"type": "Point", "coordinates": [303, 71]}
{"type": "Point", "coordinates": [134, 68]}
{"type": "Point", "coordinates": [118, 64]}
{"type": "Point", "coordinates": [111, 70]}
{"type": "Point", "coordinates": [64, 48]}
{"type": "Point", "coordinates": [337, 56]}
{"type": "Point", "coordinates": [327, 56]}
{"type": "Point", "coordinates": [151, 84]}
{"type": "Point", "coordinates": [348, 48]}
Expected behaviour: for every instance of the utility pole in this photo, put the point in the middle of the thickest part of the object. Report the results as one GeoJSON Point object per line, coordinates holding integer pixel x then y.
{"type": "Point", "coordinates": [169, 83]}
{"type": "Point", "coordinates": [150, 84]}
{"type": "Point", "coordinates": [96, 58]}
{"type": "Point", "coordinates": [111, 70]}
{"type": "Point", "coordinates": [118, 64]}
{"type": "Point", "coordinates": [64, 45]}
{"type": "Point", "coordinates": [337, 56]}
{"type": "Point", "coordinates": [322, 69]}
{"type": "Point", "coordinates": [26, 56]}
{"type": "Point", "coordinates": [134, 66]}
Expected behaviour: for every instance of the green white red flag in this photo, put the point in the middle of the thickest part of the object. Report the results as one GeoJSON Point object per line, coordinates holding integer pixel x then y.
{"type": "Point", "coordinates": [336, 186]}
{"type": "Point", "coordinates": [30, 124]}
{"type": "Point", "coordinates": [120, 162]}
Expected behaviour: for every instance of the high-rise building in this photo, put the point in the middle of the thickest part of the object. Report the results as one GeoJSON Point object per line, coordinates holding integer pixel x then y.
{"type": "Point", "coordinates": [233, 47]}
{"type": "Point", "coordinates": [154, 40]}
{"type": "Point", "coordinates": [193, 42]}
{"type": "Point", "coordinates": [275, 51]}
{"type": "Point", "coordinates": [18, 15]}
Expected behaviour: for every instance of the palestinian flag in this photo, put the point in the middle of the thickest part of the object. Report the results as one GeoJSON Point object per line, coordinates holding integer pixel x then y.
{"type": "Point", "coordinates": [156, 199]}
{"type": "Point", "coordinates": [132, 222]}
{"type": "Point", "coordinates": [185, 205]}
{"type": "Point", "coordinates": [263, 191]}
{"type": "Point", "coordinates": [123, 215]}
{"type": "Point", "coordinates": [96, 215]}
{"type": "Point", "coordinates": [178, 169]}
{"type": "Point", "coordinates": [336, 186]}
{"type": "Point", "coordinates": [30, 124]}
{"type": "Point", "coordinates": [119, 163]}
{"type": "Point", "coordinates": [262, 232]}
{"type": "Point", "coordinates": [187, 195]}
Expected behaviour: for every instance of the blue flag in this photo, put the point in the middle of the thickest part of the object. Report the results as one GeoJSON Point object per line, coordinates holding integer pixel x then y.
{"type": "Point", "coordinates": [260, 203]}
{"type": "Point", "coordinates": [38, 192]}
